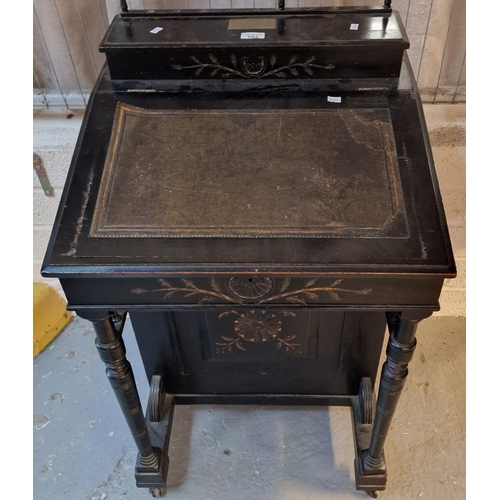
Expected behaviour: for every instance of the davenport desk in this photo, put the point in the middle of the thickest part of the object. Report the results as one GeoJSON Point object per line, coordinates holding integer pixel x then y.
{"type": "Point", "coordinates": [256, 191]}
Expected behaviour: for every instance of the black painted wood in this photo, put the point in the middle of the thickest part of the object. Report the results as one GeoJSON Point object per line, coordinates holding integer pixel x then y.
{"type": "Point", "coordinates": [256, 45]}
{"type": "Point", "coordinates": [111, 350]}
{"type": "Point", "coordinates": [261, 207]}
{"type": "Point", "coordinates": [306, 352]}
{"type": "Point", "coordinates": [425, 251]}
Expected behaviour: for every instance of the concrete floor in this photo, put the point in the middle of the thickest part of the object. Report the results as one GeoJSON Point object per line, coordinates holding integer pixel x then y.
{"type": "Point", "coordinates": [82, 449]}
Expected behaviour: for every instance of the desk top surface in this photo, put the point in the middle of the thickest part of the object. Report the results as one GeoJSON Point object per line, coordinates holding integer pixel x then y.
{"type": "Point", "coordinates": [274, 27]}
{"type": "Point", "coordinates": [283, 179]}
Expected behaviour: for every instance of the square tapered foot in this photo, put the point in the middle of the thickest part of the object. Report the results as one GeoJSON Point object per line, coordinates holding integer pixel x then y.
{"type": "Point", "coordinates": [148, 477]}
{"type": "Point", "coordinates": [369, 479]}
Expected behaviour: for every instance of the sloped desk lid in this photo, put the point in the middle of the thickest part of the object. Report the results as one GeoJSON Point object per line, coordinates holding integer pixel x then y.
{"type": "Point", "coordinates": [225, 181]}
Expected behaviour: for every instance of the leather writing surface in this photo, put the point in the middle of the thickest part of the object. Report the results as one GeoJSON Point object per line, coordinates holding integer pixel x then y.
{"type": "Point", "coordinates": [250, 173]}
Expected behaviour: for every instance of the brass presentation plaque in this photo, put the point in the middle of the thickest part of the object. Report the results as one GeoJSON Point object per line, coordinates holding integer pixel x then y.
{"type": "Point", "coordinates": [252, 24]}
{"type": "Point", "coordinates": [250, 173]}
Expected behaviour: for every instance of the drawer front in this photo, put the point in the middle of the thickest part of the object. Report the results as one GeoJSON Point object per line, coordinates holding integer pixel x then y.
{"type": "Point", "coordinates": [256, 290]}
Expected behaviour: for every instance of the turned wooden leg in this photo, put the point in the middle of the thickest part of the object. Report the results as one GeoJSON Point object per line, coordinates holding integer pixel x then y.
{"type": "Point", "coordinates": [370, 468]}
{"type": "Point", "coordinates": [111, 350]}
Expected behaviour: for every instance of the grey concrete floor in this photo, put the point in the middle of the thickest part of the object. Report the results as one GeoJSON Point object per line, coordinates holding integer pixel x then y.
{"type": "Point", "coordinates": [82, 449]}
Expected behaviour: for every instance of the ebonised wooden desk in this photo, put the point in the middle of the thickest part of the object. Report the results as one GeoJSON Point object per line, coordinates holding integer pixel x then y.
{"type": "Point", "coordinates": [257, 192]}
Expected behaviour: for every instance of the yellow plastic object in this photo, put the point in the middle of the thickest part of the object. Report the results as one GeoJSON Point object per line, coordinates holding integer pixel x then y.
{"type": "Point", "coordinates": [49, 316]}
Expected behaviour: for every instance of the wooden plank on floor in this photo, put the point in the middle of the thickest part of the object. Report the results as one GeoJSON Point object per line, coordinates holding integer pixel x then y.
{"type": "Point", "coordinates": [416, 28]}
{"type": "Point", "coordinates": [44, 78]}
{"type": "Point", "coordinates": [452, 64]}
{"type": "Point", "coordinates": [154, 4]}
{"type": "Point", "coordinates": [57, 47]}
{"type": "Point", "coordinates": [460, 93]}
{"type": "Point", "coordinates": [94, 25]}
{"type": "Point", "coordinates": [78, 44]}
{"type": "Point", "coordinates": [434, 47]}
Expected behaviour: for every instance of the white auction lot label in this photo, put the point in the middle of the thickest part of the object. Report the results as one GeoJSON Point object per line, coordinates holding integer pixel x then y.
{"type": "Point", "coordinates": [250, 35]}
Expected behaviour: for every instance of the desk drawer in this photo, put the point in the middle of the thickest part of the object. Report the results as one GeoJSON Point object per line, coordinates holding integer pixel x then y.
{"type": "Point", "coordinates": [256, 290]}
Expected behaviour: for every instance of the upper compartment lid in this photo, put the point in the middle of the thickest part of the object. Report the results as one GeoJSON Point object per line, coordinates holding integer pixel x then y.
{"type": "Point", "coordinates": [326, 27]}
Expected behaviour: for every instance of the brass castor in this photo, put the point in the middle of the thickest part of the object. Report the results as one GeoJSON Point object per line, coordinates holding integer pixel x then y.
{"type": "Point", "coordinates": [158, 492]}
